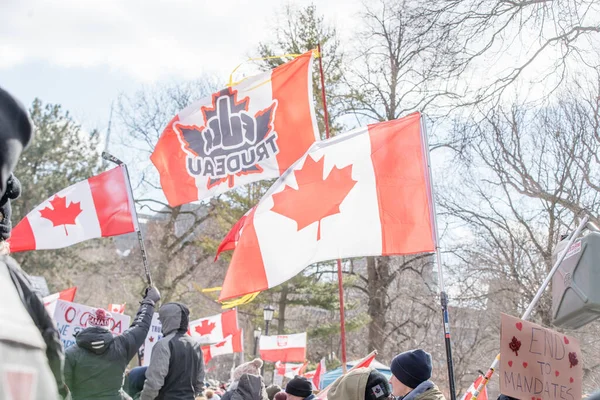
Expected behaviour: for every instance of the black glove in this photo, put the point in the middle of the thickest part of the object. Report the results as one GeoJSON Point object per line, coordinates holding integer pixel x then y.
{"type": "Point", "coordinates": [152, 294]}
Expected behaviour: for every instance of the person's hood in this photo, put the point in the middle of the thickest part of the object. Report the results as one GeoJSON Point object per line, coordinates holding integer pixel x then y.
{"type": "Point", "coordinates": [173, 317]}
{"type": "Point", "coordinates": [426, 390]}
{"type": "Point", "coordinates": [351, 386]}
{"type": "Point", "coordinates": [251, 387]}
{"type": "Point", "coordinates": [94, 339]}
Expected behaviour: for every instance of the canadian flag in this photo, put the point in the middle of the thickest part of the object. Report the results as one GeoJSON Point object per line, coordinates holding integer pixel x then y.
{"type": "Point", "coordinates": [364, 193]}
{"type": "Point", "coordinates": [100, 206]}
{"type": "Point", "coordinates": [283, 348]}
{"type": "Point", "coordinates": [319, 372]}
{"type": "Point", "coordinates": [66, 295]}
{"type": "Point", "coordinates": [231, 344]}
{"type": "Point", "coordinates": [116, 308]}
{"type": "Point", "coordinates": [289, 370]}
{"type": "Point", "coordinates": [215, 328]}
{"type": "Point", "coordinates": [365, 363]}
{"type": "Point", "coordinates": [250, 131]}
{"type": "Point", "coordinates": [482, 395]}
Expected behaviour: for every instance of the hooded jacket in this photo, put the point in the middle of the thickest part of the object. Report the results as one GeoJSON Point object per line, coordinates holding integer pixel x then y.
{"type": "Point", "coordinates": [351, 386]}
{"type": "Point", "coordinates": [176, 369]}
{"type": "Point", "coordinates": [250, 387]}
{"type": "Point", "coordinates": [425, 391]}
{"type": "Point", "coordinates": [95, 365]}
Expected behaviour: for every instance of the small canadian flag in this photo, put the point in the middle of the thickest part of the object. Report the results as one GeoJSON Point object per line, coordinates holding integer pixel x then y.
{"type": "Point", "coordinates": [214, 329]}
{"type": "Point", "coordinates": [231, 344]}
{"type": "Point", "coordinates": [100, 206]}
{"type": "Point", "coordinates": [117, 308]}
{"type": "Point", "coordinates": [66, 295]}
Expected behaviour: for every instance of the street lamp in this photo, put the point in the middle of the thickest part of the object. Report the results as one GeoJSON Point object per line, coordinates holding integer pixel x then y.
{"type": "Point", "coordinates": [268, 312]}
{"type": "Point", "coordinates": [257, 333]}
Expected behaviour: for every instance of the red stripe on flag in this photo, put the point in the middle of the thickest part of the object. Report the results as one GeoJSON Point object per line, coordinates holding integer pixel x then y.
{"type": "Point", "coordinates": [402, 186]}
{"type": "Point", "coordinates": [229, 322]}
{"type": "Point", "coordinates": [68, 294]}
{"type": "Point", "coordinates": [232, 237]}
{"type": "Point", "coordinates": [290, 83]}
{"type": "Point", "coordinates": [170, 161]}
{"type": "Point", "coordinates": [22, 238]}
{"type": "Point", "coordinates": [284, 355]}
{"type": "Point", "coordinates": [246, 274]}
{"type": "Point", "coordinates": [111, 199]}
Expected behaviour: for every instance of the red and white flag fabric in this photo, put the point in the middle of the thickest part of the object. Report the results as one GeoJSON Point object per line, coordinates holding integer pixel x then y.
{"type": "Point", "coordinates": [216, 328]}
{"type": "Point", "coordinates": [289, 370]}
{"type": "Point", "coordinates": [365, 363]}
{"type": "Point", "coordinates": [319, 372]}
{"type": "Point", "coordinates": [116, 308]}
{"type": "Point", "coordinates": [283, 348]}
{"type": "Point", "coordinates": [363, 193]}
{"type": "Point", "coordinates": [482, 395]}
{"type": "Point", "coordinates": [100, 206]}
{"type": "Point", "coordinates": [251, 131]}
{"type": "Point", "coordinates": [231, 344]}
{"type": "Point", "coordinates": [66, 295]}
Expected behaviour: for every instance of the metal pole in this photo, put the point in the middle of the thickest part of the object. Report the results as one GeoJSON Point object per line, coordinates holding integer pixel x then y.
{"type": "Point", "coordinates": [533, 303]}
{"type": "Point", "coordinates": [266, 334]}
{"type": "Point", "coordinates": [339, 262]}
{"type": "Point", "coordinates": [443, 295]}
{"type": "Point", "coordinates": [111, 158]}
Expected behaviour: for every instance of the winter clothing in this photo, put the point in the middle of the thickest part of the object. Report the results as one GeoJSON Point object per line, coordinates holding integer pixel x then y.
{"type": "Point", "coordinates": [425, 391]}
{"type": "Point", "coordinates": [299, 386]}
{"type": "Point", "coordinates": [377, 386]}
{"type": "Point", "coordinates": [13, 191]}
{"type": "Point", "coordinates": [360, 384]}
{"type": "Point", "coordinates": [96, 363]}
{"type": "Point", "coordinates": [134, 381]}
{"type": "Point", "coordinates": [176, 369]}
{"type": "Point", "coordinates": [99, 318]}
{"type": "Point", "coordinates": [250, 387]}
{"type": "Point", "coordinates": [272, 391]}
{"type": "Point", "coordinates": [280, 396]}
{"type": "Point", "coordinates": [251, 367]}
{"type": "Point", "coordinates": [412, 367]}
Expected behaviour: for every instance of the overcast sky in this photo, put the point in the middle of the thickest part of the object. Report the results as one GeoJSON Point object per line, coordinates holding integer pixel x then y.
{"type": "Point", "coordinates": [83, 53]}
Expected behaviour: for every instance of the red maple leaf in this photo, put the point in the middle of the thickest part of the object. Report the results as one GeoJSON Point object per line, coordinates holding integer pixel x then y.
{"type": "Point", "coordinates": [60, 213]}
{"type": "Point", "coordinates": [205, 327]}
{"type": "Point", "coordinates": [221, 344]}
{"type": "Point", "coordinates": [315, 198]}
{"type": "Point", "coordinates": [151, 339]}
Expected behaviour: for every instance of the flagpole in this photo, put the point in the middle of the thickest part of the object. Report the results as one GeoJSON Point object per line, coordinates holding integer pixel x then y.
{"type": "Point", "coordinates": [115, 160]}
{"type": "Point", "coordinates": [443, 295]}
{"type": "Point", "coordinates": [533, 302]}
{"type": "Point", "coordinates": [339, 262]}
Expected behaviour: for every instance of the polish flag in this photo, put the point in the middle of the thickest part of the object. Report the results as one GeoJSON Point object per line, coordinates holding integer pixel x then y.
{"type": "Point", "coordinates": [117, 308]}
{"type": "Point", "coordinates": [365, 363]}
{"type": "Point", "coordinates": [66, 295]}
{"type": "Point", "coordinates": [319, 372]}
{"type": "Point", "coordinates": [231, 344]}
{"type": "Point", "coordinates": [216, 328]}
{"type": "Point", "coordinates": [283, 348]}
{"type": "Point", "coordinates": [364, 193]}
{"type": "Point", "coordinates": [100, 206]}
{"type": "Point", "coordinates": [248, 132]}
{"type": "Point", "coordinates": [473, 388]}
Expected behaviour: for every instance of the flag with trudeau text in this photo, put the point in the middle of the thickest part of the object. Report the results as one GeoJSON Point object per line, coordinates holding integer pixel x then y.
{"type": "Point", "coordinates": [473, 388]}
{"type": "Point", "coordinates": [231, 344]}
{"type": "Point", "coordinates": [216, 328]}
{"type": "Point", "coordinates": [283, 348]}
{"type": "Point", "coordinates": [100, 206]}
{"type": "Point", "coordinates": [66, 295]}
{"type": "Point", "coordinates": [250, 131]}
{"type": "Point", "coordinates": [319, 372]}
{"type": "Point", "coordinates": [116, 308]}
{"type": "Point", "coordinates": [363, 193]}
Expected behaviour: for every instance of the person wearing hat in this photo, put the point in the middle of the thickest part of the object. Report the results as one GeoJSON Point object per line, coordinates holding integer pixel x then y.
{"type": "Point", "coordinates": [411, 372]}
{"type": "Point", "coordinates": [272, 390]}
{"type": "Point", "coordinates": [360, 384]}
{"type": "Point", "coordinates": [251, 367]}
{"type": "Point", "coordinates": [299, 388]}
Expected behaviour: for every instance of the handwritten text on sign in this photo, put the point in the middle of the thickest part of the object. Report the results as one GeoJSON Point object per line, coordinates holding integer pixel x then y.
{"type": "Point", "coordinates": [72, 318]}
{"type": "Point", "coordinates": [538, 363]}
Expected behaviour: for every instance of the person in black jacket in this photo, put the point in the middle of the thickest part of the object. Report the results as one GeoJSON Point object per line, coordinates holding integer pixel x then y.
{"type": "Point", "coordinates": [176, 370]}
{"type": "Point", "coordinates": [95, 365]}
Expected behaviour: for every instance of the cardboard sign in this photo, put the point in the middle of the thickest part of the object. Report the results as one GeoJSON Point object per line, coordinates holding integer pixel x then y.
{"type": "Point", "coordinates": [72, 318]}
{"type": "Point", "coordinates": [154, 335]}
{"type": "Point", "coordinates": [538, 363]}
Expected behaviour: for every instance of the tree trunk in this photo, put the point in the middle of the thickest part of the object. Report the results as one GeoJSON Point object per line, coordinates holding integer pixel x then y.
{"type": "Point", "coordinates": [282, 306]}
{"type": "Point", "coordinates": [378, 272]}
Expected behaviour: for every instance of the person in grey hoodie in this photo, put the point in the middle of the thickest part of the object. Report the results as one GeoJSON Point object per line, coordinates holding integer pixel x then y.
{"type": "Point", "coordinates": [176, 370]}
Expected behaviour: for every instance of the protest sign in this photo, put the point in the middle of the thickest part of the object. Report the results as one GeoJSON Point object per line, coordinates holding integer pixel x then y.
{"type": "Point", "coordinates": [538, 363]}
{"type": "Point", "coordinates": [72, 318]}
{"type": "Point", "coordinates": [154, 335]}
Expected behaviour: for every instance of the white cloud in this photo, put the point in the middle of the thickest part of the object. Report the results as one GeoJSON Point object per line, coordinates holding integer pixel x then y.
{"type": "Point", "coordinates": [146, 39]}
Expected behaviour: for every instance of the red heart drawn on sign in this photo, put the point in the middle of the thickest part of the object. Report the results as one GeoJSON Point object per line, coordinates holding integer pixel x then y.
{"type": "Point", "coordinates": [571, 380]}
{"type": "Point", "coordinates": [556, 373]}
{"type": "Point", "coordinates": [510, 363]}
{"type": "Point", "coordinates": [525, 365]}
{"type": "Point", "coordinates": [519, 326]}
{"type": "Point", "coordinates": [566, 340]}
{"type": "Point", "coordinates": [533, 398]}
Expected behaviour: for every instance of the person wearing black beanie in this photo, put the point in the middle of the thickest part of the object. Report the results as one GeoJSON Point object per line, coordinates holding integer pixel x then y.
{"type": "Point", "coordinates": [411, 372]}
{"type": "Point", "coordinates": [299, 388]}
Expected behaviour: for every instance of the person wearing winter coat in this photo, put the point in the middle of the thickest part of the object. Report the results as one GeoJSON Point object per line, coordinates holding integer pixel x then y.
{"type": "Point", "coordinates": [96, 363]}
{"type": "Point", "coordinates": [299, 388]}
{"type": "Point", "coordinates": [411, 372]}
{"type": "Point", "coordinates": [251, 367]}
{"type": "Point", "coordinates": [30, 347]}
{"type": "Point", "coordinates": [250, 387]}
{"type": "Point", "coordinates": [360, 384]}
{"type": "Point", "coordinates": [176, 370]}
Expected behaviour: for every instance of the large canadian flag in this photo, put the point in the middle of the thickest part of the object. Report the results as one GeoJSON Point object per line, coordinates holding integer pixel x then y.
{"type": "Point", "coordinates": [231, 344]}
{"type": "Point", "coordinates": [100, 206]}
{"type": "Point", "coordinates": [250, 131]}
{"type": "Point", "coordinates": [66, 295]}
{"type": "Point", "coordinates": [283, 348]}
{"type": "Point", "coordinates": [216, 328]}
{"type": "Point", "coordinates": [363, 193]}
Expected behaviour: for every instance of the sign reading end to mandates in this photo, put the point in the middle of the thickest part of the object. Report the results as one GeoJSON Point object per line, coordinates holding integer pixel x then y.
{"type": "Point", "coordinates": [538, 363]}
